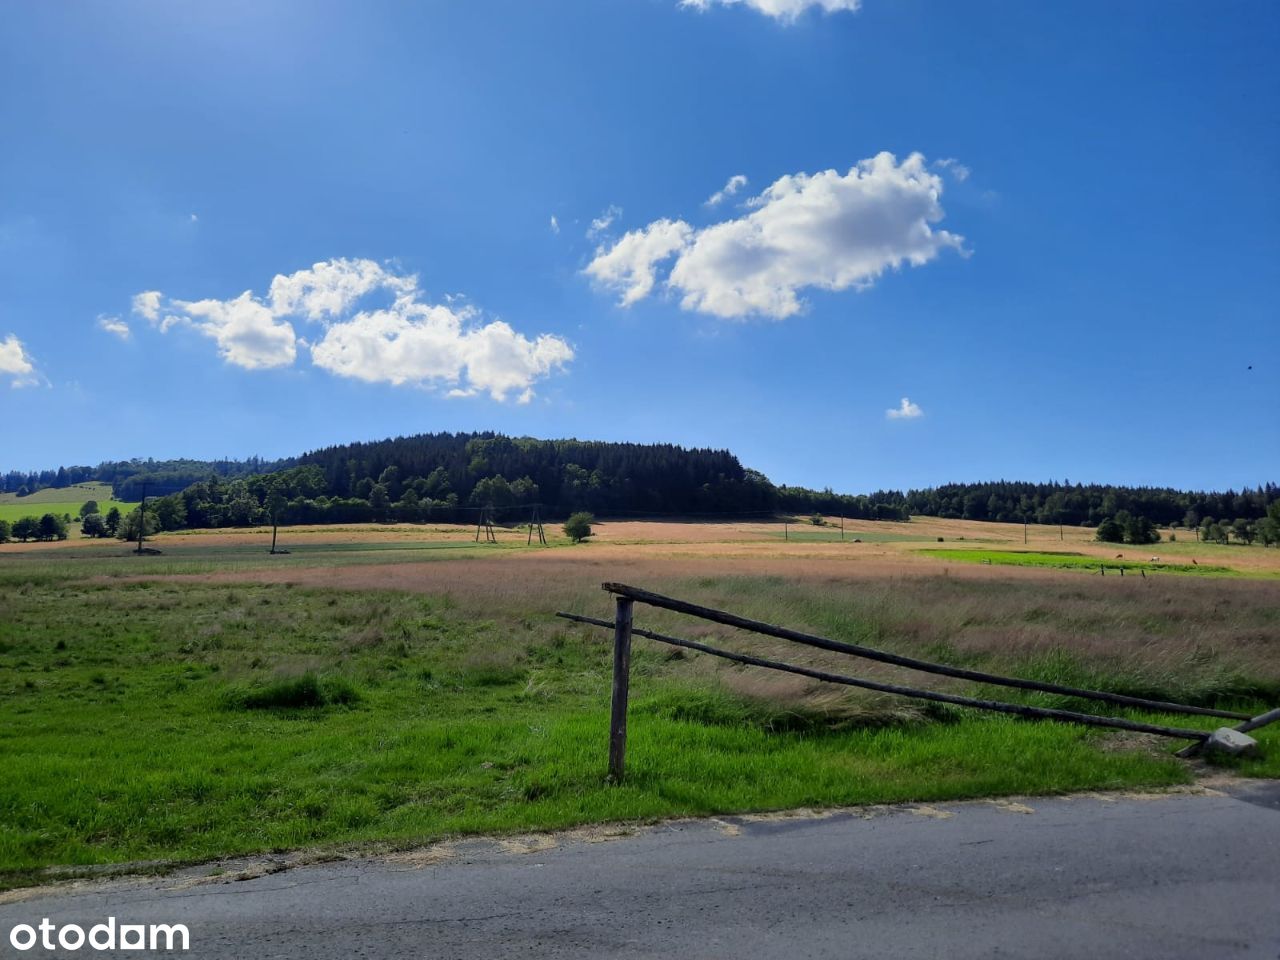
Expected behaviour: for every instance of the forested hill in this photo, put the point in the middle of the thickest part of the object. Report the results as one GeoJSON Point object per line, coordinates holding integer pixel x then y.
{"type": "Point", "coordinates": [461, 476]}
{"type": "Point", "coordinates": [562, 475]}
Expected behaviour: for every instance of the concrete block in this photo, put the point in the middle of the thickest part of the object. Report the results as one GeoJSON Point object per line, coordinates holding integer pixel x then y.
{"type": "Point", "coordinates": [1233, 742]}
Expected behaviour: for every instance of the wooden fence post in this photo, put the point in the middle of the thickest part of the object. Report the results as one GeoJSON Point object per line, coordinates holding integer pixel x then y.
{"type": "Point", "coordinates": [621, 682]}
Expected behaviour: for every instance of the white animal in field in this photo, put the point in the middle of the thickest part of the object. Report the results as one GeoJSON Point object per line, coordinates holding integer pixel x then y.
{"type": "Point", "coordinates": [1155, 559]}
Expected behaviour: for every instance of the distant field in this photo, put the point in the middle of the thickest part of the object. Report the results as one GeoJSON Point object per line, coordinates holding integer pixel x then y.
{"type": "Point", "coordinates": [60, 500]}
{"type": "Point", "coordinates": [1075, 561]}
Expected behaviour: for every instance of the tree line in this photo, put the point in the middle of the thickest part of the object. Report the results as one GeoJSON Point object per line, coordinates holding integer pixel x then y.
{"type": "Point", "coordinates": [459, 477]}
{"type": "Point", "coordinates": [1087, 504]}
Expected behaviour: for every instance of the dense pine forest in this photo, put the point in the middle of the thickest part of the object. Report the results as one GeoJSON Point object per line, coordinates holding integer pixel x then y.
{"type": "Point", "coordinates": [445, 477]}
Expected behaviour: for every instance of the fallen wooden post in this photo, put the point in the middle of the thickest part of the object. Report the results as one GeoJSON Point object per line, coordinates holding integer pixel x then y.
{"type": "Point", "coordinates": [869, 653]}
{"type": "Point", "coordinates": [1253, 723]}
{"type": "Point", "coordinates": [1032, 713]}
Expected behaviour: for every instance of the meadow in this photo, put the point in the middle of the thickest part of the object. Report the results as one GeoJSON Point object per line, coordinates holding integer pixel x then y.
{"type": "Point", "coordinates": [381, 688]}
{"type": "Point", "coordinates": [60, 501]}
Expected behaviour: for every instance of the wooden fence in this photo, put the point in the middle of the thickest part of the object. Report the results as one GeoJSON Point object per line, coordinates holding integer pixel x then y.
{"type": "Point", "coordinates": [626, 597]}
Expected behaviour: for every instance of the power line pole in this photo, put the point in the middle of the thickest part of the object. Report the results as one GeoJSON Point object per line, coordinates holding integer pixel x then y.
{"type": "Point", "coordinates": [142, 517]}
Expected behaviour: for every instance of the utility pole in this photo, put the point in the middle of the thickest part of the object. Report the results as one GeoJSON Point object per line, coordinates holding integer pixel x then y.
{"type": "Point", "coordinates": [142, 517]}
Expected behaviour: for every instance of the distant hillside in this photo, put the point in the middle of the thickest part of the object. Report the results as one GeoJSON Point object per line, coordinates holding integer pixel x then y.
{"type": "Point", "coordinates": [462, 476]}
{"type": "Point", "coordinates": [128, 476]}
{"type": "Point", "coordinates": [78, 493]}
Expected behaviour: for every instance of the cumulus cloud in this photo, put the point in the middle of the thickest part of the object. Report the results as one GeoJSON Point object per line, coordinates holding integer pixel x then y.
{"type": "Point", "coordinates": [736, 183]}
{"type": "Point", "coordinates": [330, 288]}
{"type": "Point", "coordinates": [630, 265]}
{"type": "Point", "coordinates": [906, 410]}
{"type": "Point", "coordinates": [114, 325]}
{"type": "Point", "coordinates": [248, 334]}
{"type": "Point", "coordinates": [828, 230]}
{"type": "Point", "coordinates": [555, 225]}
{"type": "Point", "coordinates": [785, 10]}
{"type": "Point", "coordinates": [16, 364]}
{"type": "Point", "coordinates": [601, 224]}
{"type": "Point", "coordinates": [374, 325]}
{"type": "Point", "coordinates": [147, 305]}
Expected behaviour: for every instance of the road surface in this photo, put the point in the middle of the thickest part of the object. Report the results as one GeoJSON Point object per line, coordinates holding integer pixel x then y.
{"type": "Point", "coordinates": [1175, 876]}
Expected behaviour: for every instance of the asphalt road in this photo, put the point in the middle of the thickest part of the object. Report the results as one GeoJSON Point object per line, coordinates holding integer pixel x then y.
{"type": "Point", "coordinates": [1177, 876]}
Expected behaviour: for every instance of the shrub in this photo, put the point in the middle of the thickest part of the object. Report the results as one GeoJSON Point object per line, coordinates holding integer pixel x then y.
{"type": "Point", "coordinates": [293, 693]}
{"type": "Point", "coordinates": [578, 527]}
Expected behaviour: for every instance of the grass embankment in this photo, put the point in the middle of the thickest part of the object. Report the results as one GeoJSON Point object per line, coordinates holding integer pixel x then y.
{"type": "Point", "coordinates": [158, 721]}
{"type": "Point", "coordinates": [1078, 561]}
{"type": "Point", "coordinates": [60, 501]}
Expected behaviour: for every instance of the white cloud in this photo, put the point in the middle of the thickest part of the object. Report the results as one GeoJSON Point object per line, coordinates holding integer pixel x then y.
{"type": "Point", "coordinates": [955, 167]}
{"type": "Point", "coordinates": [555, 225]}
{"type": "Point", "coordinates": [114, 325]}
{"type": "Point", "coordinates": [248, 334]}
{"type": "Point", "coordinates": [401, 340]}
{"type": "Point", "coordinates": [629, 266]}
{"type": "Point", "coordinates": [193, 218]}
{"type": "Point", "coordinates": [330, 288]}
{"type": "Point", "coordinates": [147, 305]}
{"type": "Point", "coordinates": [785, 10]}
{"type": "Point", "coordinates": [603, 222]}
{"type": "Point", "coordinates": [736, 183]}
{"type": "Point", "coordinates": [906, 410]}
{"type": "Point", "coordinates": [417, 343]}
{"type": "Point", "coordinates": [16, 363]}
{"type": "Point", "coordinates": [827, 230]}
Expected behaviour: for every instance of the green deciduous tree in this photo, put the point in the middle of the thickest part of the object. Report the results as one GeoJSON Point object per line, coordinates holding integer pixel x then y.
{"type": "Point", "coordinates": [112, 521]}
{"type": "Point", "coordinates": [131, 524]}
{"type": "Point", "coordinates": [52, 527]}
{"type": "Point", "coordinates": [1110, 532]}
{"type": "Point", "coordinates": [1244, 530]}
{"type": "Point", "coordinates": [92, 525]}
{"type": "Point", "coordinates": [89, 506]}
{"type": "Point", "coordinates": [578, 526]}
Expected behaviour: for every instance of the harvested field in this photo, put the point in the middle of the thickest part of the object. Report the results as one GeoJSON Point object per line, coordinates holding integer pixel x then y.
{"type": "Point", "coordinates": [885, 548]}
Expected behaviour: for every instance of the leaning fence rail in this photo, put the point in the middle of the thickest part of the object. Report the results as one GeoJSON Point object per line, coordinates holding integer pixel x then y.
{"type": "Point", "coordinates": [622, 625]}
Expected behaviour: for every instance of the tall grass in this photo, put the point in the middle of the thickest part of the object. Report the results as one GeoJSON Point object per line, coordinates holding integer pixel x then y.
{"type": "Point", "coordinates": [156, 720]}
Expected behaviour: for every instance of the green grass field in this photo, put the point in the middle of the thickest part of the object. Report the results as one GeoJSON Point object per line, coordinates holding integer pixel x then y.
{"type": "Point", "coordinates": [178, 722]}
{"type": "Point", "coordinates": [59, 501]}
{"type": "Point", "coordinates": [1079, 561]}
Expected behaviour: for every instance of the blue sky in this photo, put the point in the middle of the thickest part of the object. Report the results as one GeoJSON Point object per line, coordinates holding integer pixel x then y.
{"type": "Point", "coordinates": [245, 228]}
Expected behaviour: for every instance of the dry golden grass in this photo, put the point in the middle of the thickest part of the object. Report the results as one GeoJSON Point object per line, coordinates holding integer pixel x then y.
{"type": "Point", "coordinates": [755, 540]}
{"type": "Point", "coordinates": [885, 592]}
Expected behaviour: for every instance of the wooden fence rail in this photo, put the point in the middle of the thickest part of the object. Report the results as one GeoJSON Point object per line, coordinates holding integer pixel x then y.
{"type": "Point", "coordinates": [623, 628]}
{"type": "Point", "coordinates": [869, 653]}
